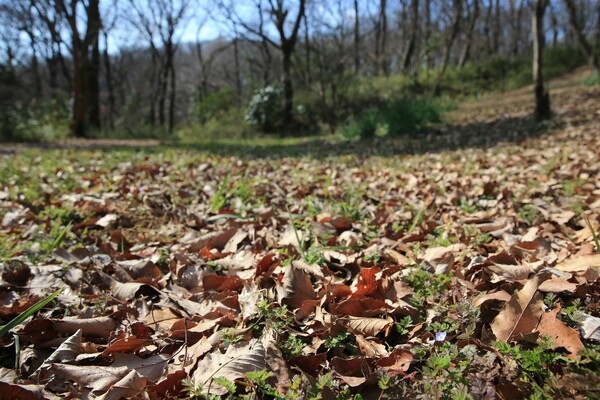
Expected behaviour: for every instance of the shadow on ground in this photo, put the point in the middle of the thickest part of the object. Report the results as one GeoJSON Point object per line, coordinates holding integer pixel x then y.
{"type": "Point", "coordinates": [441, 138]}
{"type": "Point", "coordinates": [436, 139]}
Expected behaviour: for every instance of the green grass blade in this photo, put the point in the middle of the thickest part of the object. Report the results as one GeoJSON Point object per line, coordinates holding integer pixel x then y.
{"type": "Point", "coordinates": [27, 313]}
{"type": "Point", "coordinates": [60, 237]}
{"type": "Point", "coordinates": [594, 234]}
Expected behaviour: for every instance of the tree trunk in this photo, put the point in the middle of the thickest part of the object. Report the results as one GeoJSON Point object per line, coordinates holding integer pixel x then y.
{"type": "Point", "coordinates": [486, 28]}
{"type": "Point", "coordinates": [238, 73]}
{"type": "Point", "coordinates": [555, 27]}
{"type": "Point", "coordinates": [356, 39]}
{"type": "Point", "coordinates": [542, 99]}
{"type": "Point", "coordinates": [516, 26]}
{"type": "Point", "coordinates": [427, 38]}
{"type": "Point", "coordinates": [585, 46]}
{"type": "Point", "coordinates": [380, 38]}
{"type": "Point", "coordinates": [466, 53]}
{"type": "Point", "coordinates": [451, 37]}
{"type": "Point", "coordinates": [86, 67]}
{"type": "Point", "coordinates": [497, 28]}
{"type": "Point", "coordinates": [307, 71]}
{"type": "Point", "coordinates": [109, 83]}
{"type": "Point", "coordinates": [288, 91]}
{"type": "Point", "coordinates": [94, 85]}
{"type": "Point", "coordinates": [172, 96]}
{"type": "Point", "coordinates": [410, 47]}
{"type": "Point", "coordinates": [80, 99]}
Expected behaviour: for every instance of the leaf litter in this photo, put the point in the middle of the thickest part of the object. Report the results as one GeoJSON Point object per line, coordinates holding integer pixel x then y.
{"type": "Point", "coordinates": [186, 274]}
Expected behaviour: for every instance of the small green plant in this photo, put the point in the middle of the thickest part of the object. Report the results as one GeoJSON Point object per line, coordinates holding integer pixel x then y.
{"type": "Point", "coordinates": [292, 347]}
{"type": "Point", "coordinates": [402, 326]}
{"type": "Point", "coordinates": [344, 340]}
{"type": "Point", "coordinates": [230, 337]}
{"type": "Point", "coordinates": [427, 284]}
{"type": "Point", "coordinates": [4, 329]}
{"type": "Point", "coordinates": [219, 200]}
{"type": "Point", "coordinates": [530, 214]}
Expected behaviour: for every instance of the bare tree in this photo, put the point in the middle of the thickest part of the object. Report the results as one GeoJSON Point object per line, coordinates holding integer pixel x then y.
{"type": "Point", "coordinates": [160, 21]}
{"type": "Point", "coordinates": [356, 38]}
{"type": "Point", "coordinates": [516, 13]}
{"type": "Point", "coordinates": [380, 39]}
{"type": "Point", "coordinates": [412, 39]}
{"type": "Point", "coordinates": [542, 98]}
{"type": "Point", "coordinates": [473, 16]}
{"type": "Point", "coordinates": [585, 46]}
{"type": "Point", "coordinates": [279, 11]}
{"type": "Point", "coordinates": [85, 52]}
{"type": "Point", "coordinates": [450, 38]}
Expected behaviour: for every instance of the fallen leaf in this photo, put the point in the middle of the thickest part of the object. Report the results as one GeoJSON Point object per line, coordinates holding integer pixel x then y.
{"type": "Point", "coordinates": [590, 327]}
{"type": "Point", "coordinates": [368, 326]}
{"type": "Point", "coordinates": [239, 359]}
{"type": "Point", "coordinates": [560, 334]}
{"type": "Point", "coordinates": [129, 386]}
{"type": "Point", "coordinates": [97, 378]}
{"type": "Point", "coordinates": [521, 314]}
{"type": "Point", "coordinates": [579, 264]}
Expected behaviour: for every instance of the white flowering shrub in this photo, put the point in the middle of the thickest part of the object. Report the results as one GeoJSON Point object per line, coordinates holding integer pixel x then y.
{"type": "Point", "coordinates": [264, 109]}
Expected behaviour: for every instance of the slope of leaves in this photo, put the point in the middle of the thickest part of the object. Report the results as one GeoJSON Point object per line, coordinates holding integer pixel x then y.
{"type": "Point", "coordinates": [458, 274]}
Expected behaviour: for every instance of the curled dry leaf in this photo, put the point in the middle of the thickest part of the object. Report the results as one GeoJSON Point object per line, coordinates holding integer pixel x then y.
{"type": "Point", "coordinates": [151, 368]}
{"type": "Point", "coordinates": [295, 287]}
{"type": "Point", "coordinates": [99, 326]}
{"type": "Point", "coordinates": [521, 314]}
{"type": "Point", "coordinates": [590, 327]}
{"type": "Point", "coordinates": [397, 362]}
{"type": "Point", "coordinates": [131, 290]}
{"type": "Point", "coordinates": [66, 352]}
{"type": "Point", "coordinates": [130, 385]}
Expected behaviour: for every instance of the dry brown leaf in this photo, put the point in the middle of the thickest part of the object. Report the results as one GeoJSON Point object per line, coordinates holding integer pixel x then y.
{"type": "Point", "coordinates": [353, 371]}
{"type": "Point", "coordinates": [126, 345]}
{"type": "Point", "coordinates": [129, 386]}
{"type": "Point", "coordinates": [239, 359]}
{"type": "Point", "coordinates": [499, 295]}
{"type": "Point", "coordinates": [557, 285]}
{"type": "Point", "coordinates": [25, 392]}
{"type": "Point", "coordinates": [579, 264]}
{"type": "Point", "coordinates": [368, 326]}
{"type": "Point", "coordinates": [151, 368]}
{"type": "Point", "coordinates": [397, 362]}
{"type": "Point", "coordinates": [130, 290]}
{"type": "Point", "coordinates": [99, 326]}
{"type": "Point", "coordinates": [97, 378]}
{"type": "Point", "coordinates": [521, 314]}
{"type": "Point", "coordinates": [370, 348]}
{"type": "Point", "coordinates": [295, 287]}
{"type": "Point", "coordinates": [560, 334]}
{"type": "Point", "coordinates": [66, 352]}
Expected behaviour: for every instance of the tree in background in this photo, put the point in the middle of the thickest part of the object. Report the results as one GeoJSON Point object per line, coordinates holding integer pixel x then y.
{"type": "Point", "coordinates": [287, 28]}
{"type": "Point", "coordinates": [85, 52]}
{"type": "Point", "coordinates": [160, 21]}
{"type": "Point", "coordinates": [585, 46]}
{"type": "Point", "coordinates": [542, 98]}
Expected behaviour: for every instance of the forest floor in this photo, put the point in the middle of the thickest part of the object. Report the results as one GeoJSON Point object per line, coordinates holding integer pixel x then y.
{"type": "Point", "coordinates": [461, 264]}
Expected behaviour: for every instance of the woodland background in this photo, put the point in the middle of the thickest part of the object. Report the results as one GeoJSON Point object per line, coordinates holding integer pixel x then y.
{"type": "Point", "coordinates": [194, 69]}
